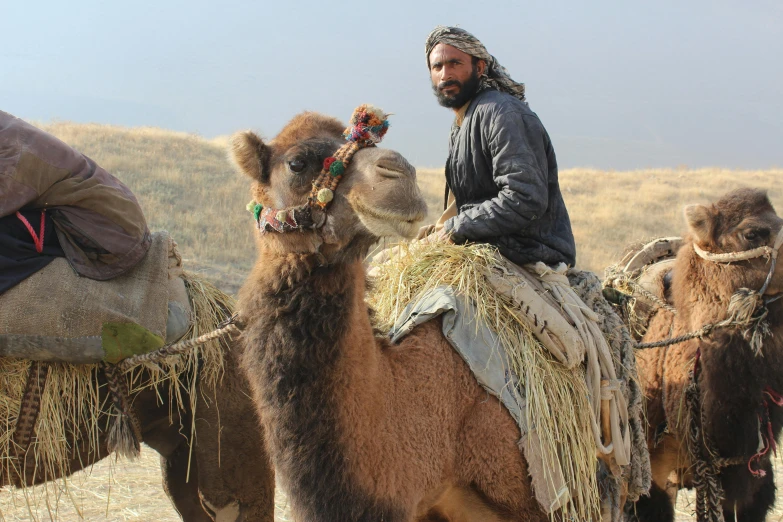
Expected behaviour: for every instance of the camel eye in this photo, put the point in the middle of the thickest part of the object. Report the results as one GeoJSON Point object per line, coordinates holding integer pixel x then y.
{"type": "Point", "coordinates": [297, 165]}
{"type": "Point", "coordinates": [753, 235]}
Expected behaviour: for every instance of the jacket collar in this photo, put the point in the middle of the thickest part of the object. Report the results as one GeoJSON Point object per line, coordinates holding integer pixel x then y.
{"type": "Point", "coordinates": [466, 111]}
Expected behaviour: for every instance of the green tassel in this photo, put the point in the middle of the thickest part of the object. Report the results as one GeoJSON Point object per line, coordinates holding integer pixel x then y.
{"type": "Point", "coordinates": [255, 209]}
{"type": "Point", "coordinates": [337, 168]}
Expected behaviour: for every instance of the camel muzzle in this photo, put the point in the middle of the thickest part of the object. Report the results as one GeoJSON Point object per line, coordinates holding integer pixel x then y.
{"type": "Point", "coordinates": [731, 257]}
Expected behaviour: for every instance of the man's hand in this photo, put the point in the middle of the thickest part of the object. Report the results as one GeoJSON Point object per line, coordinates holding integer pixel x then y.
{"type": "Point", "coordinates": [425, 231]}
{"type": "Point", "coordinates": [443, 235]}
{"type": "Point", "coordinates": [440, 235]}
{"type": "Point", "coordinates": [433, 234]}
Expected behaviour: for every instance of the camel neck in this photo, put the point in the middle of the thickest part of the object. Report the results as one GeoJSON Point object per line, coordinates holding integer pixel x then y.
{"type": "Point", "coordinates": [312, 360]}
{"type": "Point", "coordinates": [733, 378]}
{"type": "Point", "coordinates": [308, 307]}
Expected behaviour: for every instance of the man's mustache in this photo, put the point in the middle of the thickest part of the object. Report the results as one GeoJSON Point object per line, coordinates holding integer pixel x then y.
{"type": "Point", "coordinates": [449, 83]}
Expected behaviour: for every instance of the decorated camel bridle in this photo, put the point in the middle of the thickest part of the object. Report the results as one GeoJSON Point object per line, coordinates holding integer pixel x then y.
{"type": "Point", "coordinates": [770, 252]}
{"type": "Point", "coordinates": [367, 127]}
{"type": "Point", "coordinates": [747, 308]}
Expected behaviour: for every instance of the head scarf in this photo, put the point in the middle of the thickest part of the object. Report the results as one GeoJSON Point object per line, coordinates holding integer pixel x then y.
{"type": "Point", "coordinates": [496, 76]}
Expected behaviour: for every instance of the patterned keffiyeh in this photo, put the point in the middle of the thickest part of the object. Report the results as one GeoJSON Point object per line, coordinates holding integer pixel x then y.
{"type": "Point", "coordinates": [496, 76]}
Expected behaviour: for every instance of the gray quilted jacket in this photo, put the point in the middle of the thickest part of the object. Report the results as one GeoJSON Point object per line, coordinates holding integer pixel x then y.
{"type": "Point", "coordinates": [503, 174]}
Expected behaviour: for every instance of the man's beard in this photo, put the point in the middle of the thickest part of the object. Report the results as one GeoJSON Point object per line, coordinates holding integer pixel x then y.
{"type": "Point", "coordinates": [466, 91]}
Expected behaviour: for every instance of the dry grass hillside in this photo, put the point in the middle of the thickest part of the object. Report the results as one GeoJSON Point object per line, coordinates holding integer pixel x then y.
{"type": "Point", "coordinates": [187, 186]}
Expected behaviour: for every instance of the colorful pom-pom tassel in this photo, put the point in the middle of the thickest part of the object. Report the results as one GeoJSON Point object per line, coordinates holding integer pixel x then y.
{"type": "Point", "coordinates": [368, 125]}
{"type": "Point", "coordinates": [325, 195]}
{"type": "Point", "coordinates": [255, 209]}
{"type": "Point", "coordinates": [337, 168]}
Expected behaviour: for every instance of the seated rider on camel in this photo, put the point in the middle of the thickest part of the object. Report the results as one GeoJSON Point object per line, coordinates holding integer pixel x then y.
{"type": "Point", "coordinates": [56, 202]}
{"type": "Point", "coordinates": [501, 173]}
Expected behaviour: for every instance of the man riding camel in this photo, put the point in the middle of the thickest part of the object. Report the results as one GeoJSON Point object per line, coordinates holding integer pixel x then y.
{"type": "Point", "coordinates": [501, 172]}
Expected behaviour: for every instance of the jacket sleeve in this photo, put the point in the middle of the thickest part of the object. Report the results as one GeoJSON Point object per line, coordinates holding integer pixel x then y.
{"type": "Point", "coordinates": [517, 144]}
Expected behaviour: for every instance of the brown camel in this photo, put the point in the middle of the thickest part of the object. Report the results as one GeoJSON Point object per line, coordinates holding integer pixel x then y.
{"type": "Point", "coordinates": [360, 429]}
{"type": "Point", "coordinates": [738, 388]}
{"type": "Point", "coordinates": [230, 479]}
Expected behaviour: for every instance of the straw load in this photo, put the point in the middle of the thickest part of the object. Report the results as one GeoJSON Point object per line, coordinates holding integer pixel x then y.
{"type": "Point", "coordinates": [558, 401]}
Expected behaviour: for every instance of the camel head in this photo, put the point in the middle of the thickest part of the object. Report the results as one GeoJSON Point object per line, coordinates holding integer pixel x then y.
{"type": "Point", "coordinates": [741, 221]}
{"type": "Point", "coordinates": [377, 195]}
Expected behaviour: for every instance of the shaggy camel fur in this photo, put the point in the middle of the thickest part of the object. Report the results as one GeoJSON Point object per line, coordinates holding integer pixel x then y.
{"type": "Point", "coordinates": [360, 429]}
{"type": "Point", "coordinates": [231, 478]}
{"type": "Point", "coordinates": [733, 378]}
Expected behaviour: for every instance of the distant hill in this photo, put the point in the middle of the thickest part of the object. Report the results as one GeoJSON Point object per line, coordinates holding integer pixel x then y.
{"type": "Point", "coordinates": [187, 186]}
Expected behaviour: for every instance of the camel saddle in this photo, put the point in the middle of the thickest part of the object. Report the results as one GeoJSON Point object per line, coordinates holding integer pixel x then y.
{"type": "Point", "coordinates": [57, 316]}
{"type": "Point", "coordinates": [639, 285]}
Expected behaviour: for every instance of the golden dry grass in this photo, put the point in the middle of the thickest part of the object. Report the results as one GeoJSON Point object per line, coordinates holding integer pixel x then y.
{"type": "Point", "coordinates": [187, 186]}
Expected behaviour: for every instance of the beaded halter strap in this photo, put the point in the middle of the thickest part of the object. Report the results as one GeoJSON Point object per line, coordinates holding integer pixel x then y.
{"type": "Point", "coordinates": [367, 127]}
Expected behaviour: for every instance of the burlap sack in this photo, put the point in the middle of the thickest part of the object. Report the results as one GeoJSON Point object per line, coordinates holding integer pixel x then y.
{"type": "Point", "coordinates": [55, 304]}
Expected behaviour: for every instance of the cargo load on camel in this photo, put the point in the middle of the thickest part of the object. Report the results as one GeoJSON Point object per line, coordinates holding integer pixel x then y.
{"type": "Point", "coordinates": [67, 225]}
{"type": "Point", "coordinates": [545, 342]}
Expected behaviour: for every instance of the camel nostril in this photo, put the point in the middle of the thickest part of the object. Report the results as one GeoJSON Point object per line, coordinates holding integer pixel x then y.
{"type": "Point", "coordinates": [394, 166]}
{"type": "Point", "coordinates": [390, 173]}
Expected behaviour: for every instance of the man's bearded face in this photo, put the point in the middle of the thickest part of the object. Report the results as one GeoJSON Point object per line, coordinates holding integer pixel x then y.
{"type": "Point", "coordinates": [455, 78]}
{"type": "Point", "coordinates": [454, 94]}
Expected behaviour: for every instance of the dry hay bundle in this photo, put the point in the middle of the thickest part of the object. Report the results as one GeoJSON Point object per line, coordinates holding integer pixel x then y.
{"type": "Point", "coordinates": [71, 400]}
{"type": "Point", "coordinates": [557, 397]}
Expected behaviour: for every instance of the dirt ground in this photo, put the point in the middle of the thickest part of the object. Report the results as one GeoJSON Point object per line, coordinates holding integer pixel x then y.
{"type": "Point", "coordinates": [131, 492]}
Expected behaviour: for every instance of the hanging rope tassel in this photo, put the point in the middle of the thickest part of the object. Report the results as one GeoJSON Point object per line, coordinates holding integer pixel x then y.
{"type": "Point", "coordinates": [709, 491]}
{"type": "Point", "coordinates": [124, 432]}
{"type": "Point", "coordinates": [774, 396]}
{"type": "Point", "coordinates": [38, 239]}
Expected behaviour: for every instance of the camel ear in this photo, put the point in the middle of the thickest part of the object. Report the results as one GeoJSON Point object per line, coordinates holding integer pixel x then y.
{"type": "Point", "coordinates": [250, 154]}
{"type": "Point", "coordinates": [701, 222]}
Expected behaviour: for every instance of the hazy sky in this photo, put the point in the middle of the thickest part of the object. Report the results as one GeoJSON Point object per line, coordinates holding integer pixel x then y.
{"type": "Point", "coordinates": [617, 84]}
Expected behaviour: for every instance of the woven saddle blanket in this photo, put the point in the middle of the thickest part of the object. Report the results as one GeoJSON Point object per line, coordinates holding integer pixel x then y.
{"type": "Point", "coordinates": [56, 315]}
